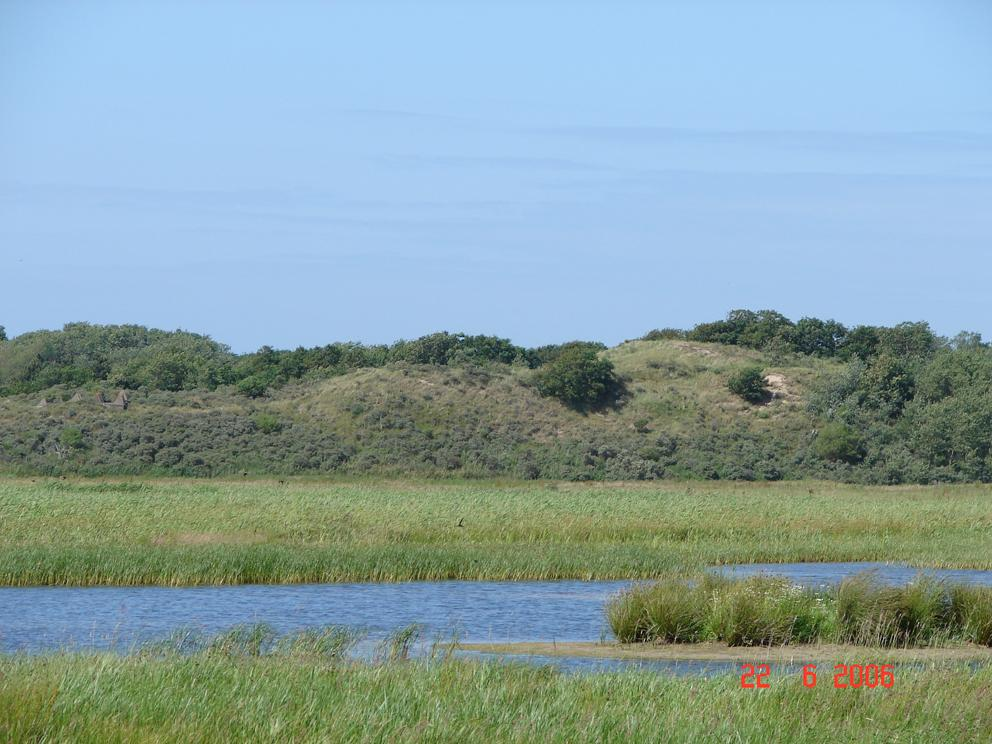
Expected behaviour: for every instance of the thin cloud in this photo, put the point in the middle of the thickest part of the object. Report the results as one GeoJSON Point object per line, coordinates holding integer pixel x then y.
{"type": "Point", "coordinates": [818, 139]}
{"type": "Point", "coordinates": [491, 162]}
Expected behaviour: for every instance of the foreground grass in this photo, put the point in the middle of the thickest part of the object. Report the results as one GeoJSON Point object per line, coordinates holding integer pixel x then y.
{"type": "Point", "coordinates": [206, 698]}
{"type": "Point", "coordinates": [86, 532]}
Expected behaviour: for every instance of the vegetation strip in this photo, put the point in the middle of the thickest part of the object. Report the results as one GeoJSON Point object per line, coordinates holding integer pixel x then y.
{"type": "Point", "coordinates": [771, 611]}
{"type": "Point", "coordinates": [174, 532]}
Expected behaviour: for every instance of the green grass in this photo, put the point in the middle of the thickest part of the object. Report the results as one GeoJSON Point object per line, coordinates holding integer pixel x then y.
{"type": "Point", "coordinates": [87, 532]}
{"type": "Point", "coordinates": [769, 611]}
{"type": "Point", "coordinates": [211, 697]}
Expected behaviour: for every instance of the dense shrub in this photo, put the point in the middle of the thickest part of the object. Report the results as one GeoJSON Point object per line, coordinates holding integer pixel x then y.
{"type": "Point", "coordinates": [839, 443]}
{"type": "Point", "coordinates": [546, 354]}
{"type": "Point", "coordinates": [662, 334]}
{"type": "Point", "coordinates": [749, 384]}
{"type": "Point", "coordinates": [743, 328]}
{"type": "Point", "coordinates": [253, 386]}
{"type": "Point", "coordinates": [267, 423]}
{"type": "Point", "coordinates": [72, 437]}
{"type": "Point", "coordinates": [579, 378]}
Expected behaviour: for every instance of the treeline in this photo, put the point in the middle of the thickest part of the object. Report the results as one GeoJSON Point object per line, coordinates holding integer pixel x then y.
{"type": "Point", "coordinates": [909, 405]}
{"type": "Point", "coordinates": [768, 330]}
{"type": "Point", "coordinates": [135, 357]}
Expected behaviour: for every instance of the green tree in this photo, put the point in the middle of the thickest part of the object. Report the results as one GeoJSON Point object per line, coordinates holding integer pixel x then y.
{"type": "Point", "coordinates": [748, 328]}
{"type": "Point", "coordinates": [749, 384]}
{"type": "Point", "coordinates": [909, 340]}
{"type": "Point", "coordinates": [861, 342]}
{"type": "Point", "coordinates": [816, 337]}
{"type": "Point", "coordinates": [887, 384]}
{"type": "Point", "coordinates": [579, 378]}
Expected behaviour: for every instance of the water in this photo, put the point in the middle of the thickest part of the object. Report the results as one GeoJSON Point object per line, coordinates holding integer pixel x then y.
{"type": "Point", "coordinates": [38, 619]}
{"type": "Point", "coordinates": [673, 667]}
{"type": "Point", "coordinates": [821, 575]}
{"type": "Point", "coordinates": [44, 618]}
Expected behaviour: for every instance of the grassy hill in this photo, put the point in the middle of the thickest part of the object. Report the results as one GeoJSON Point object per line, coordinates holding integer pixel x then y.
{"type": "Point", "coordinates": [677, 418]}
{"type": "Point", "coordinates": [754, 396]}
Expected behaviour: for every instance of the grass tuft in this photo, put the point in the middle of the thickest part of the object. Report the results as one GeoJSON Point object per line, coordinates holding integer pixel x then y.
{"type": "Point", "coordinates": [768, 611]}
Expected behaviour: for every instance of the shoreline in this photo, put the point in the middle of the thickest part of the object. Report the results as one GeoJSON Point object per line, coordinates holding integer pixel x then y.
{"type": "Point", "coordinates": [712, 651]}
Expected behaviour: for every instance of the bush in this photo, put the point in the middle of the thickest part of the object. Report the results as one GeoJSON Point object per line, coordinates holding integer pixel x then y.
{"type": "Point", "coordinates": [839, 443]}
{"type": "Point", "coordinates": [267, 423]}
{"type": "Point", "coordinates": [253, 386]}
{"type": "Point", "coordinates": [749, 384]}
{"type": "Point", "coordinates": [743, 328]}
{"type": "Point", "coordinates": [72, 437]}
{"type": "Point", "coordinates": [579, 378]}
{"type": "Point", "coordinates": [661, 334]}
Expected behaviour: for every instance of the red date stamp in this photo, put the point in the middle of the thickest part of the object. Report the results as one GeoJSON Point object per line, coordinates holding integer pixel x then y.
{"type": "Point", "coordinates": [846, 676]}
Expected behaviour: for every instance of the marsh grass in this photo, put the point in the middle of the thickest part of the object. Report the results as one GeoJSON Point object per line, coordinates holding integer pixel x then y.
{"type": "Point", "coordinates": [329, 643]}
{"type": "Point", "coordinates": [764, 611]}
{"type": "Point", "coordinates": [757, 611]}
{"type": "Point", "coordinates": [180, 532]}
{"type": "Point", "coordinates": [971, 607]}
{"type": "Point", "coordinates": [635, 617]}
{"type": "Point", "coordinates": [918, 614]}
{"type": "Point", "coordinates": [768, 611]}
{"type": "Point", "coordinates": [208, 697]}
{"type": "Point", "coordinates": [398, 644]}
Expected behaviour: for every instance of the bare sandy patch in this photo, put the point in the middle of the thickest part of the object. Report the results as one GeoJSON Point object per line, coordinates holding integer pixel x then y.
{"type": "Point", "coordinates": [779, 386]}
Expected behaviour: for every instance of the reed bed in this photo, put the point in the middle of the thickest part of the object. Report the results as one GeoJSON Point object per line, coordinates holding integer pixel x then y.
{"type": "Point", "coordinates": [329, 643]}
{"type": "Point", "coordinates": [216, 697]}
{"type": "Point", "coordinates": [770, 611]}
{"type": "Point", "coordinates": [185, 532]}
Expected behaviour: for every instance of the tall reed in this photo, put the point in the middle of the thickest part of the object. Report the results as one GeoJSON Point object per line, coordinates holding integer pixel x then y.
{"type": "Point", "coordinates": [763, 611]}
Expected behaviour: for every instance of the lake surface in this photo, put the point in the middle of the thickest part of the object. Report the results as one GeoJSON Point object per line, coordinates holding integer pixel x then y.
{"type": "Point", "coordinates": [40, 618]}
{"type": "Point", "coordinates": [37, 619]}
{"type": "Point", "coordinates": [819, 575]}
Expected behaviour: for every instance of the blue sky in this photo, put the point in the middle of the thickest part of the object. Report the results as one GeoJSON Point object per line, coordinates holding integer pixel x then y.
{"type": "Point", "coordinates": [295, 173]}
